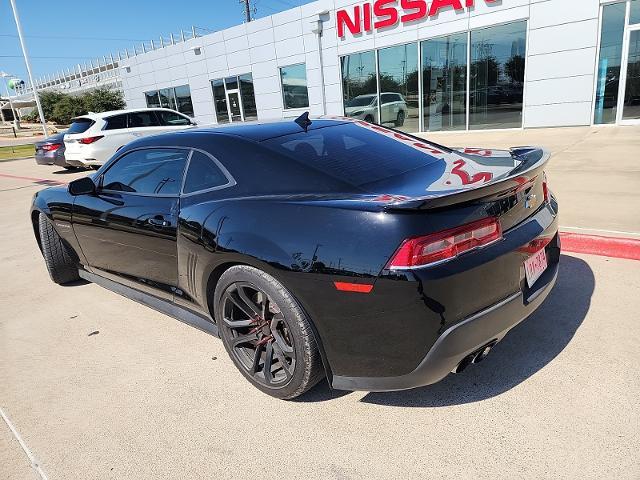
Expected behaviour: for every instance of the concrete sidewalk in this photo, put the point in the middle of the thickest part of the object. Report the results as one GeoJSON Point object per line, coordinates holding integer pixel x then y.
{"type": "Point", "coordinates": [594, 172]}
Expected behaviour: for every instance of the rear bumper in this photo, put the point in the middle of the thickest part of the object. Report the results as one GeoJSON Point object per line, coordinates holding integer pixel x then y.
{"type": "Point", "coordinates": [461, 339]}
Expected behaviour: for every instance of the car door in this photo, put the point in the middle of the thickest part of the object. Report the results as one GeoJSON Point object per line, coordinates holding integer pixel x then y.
{"type": "Point", "coordinates": [127, 230]}
{"type": "Point", "coordinates": [143, 123]}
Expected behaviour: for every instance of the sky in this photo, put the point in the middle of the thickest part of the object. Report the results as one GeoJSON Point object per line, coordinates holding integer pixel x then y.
{"type": "Point", "coordinates": [64, 33]}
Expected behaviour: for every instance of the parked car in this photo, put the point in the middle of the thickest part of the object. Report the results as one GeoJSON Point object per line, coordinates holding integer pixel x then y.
{"type": "Point", "coordinates": [93, 138]}
{"type": "Point", "coordinates": [330, 248]}
{"type": "Point", "coordinates": [393, 107]}
{"type": "Point", "coordinates": [51, 151]}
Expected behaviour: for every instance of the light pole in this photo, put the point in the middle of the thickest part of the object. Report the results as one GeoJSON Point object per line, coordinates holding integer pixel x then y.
{"type": "Point", "coordinates": [5, 75]}
{"type": "Point", "coordinates": [28, 65]}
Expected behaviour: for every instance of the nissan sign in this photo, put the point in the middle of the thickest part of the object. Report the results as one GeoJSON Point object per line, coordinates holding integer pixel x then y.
{"type": "Point", "coordinates": [385, 13]}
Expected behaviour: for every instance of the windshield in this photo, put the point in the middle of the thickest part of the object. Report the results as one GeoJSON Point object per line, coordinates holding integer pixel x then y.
{"type": "Point", "coordinates": [361, 101]}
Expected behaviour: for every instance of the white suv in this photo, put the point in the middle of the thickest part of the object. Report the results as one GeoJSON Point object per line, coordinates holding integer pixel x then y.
{"type": "Point", "coordinates": [93, 138]}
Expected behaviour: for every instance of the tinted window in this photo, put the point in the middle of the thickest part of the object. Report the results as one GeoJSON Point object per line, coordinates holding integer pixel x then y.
{"type": "Point", "coordinates": [150, 171]}
{"type": "Point", "coordinates": [116, 122]}
{"type": "Point", "coordinates": [497, 76]}
{"type": "Point", "coordinates": [294, 86]}
{"type": "Point", "coordinates": [80, 125]}
{"type": "Point", "coordinates": [143, 119]}
{"type": "Point", "coordinates": [203, 173]}
{"type": "Point", "coordinates": [351, 153]}
{"type": "Point", "coordinates": [183, 100]}
{"type": "Point", "coordinates": [247, 97]}
{"type": "Point", "coordinates": [220, 101]}
{"type": "Point", "coordinates": [152, 98]}
{"type": "Point", "coordinates": [172, 118]}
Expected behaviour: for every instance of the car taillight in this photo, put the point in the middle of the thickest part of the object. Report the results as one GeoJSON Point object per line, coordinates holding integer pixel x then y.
{"type": "Point", "coordinates": [545, 188]}
{"type": "Point", "coordinates": [445, 245]}
{"type": "Point", "coordinates": [51, 147]}
{"type": "Point", "coordinates": [88, 140]}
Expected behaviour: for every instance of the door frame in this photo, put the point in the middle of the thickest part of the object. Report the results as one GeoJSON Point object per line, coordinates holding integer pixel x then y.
{"type": "Point", "coordinates": [230, 92]}
{"type": "Point", "coordinates": [624, 66]}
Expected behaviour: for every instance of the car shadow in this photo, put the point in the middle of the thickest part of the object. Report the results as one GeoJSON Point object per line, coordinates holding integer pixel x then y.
{"type": "Point", "coordinates": [525, 350]}
{"type": "Point", "coordinates": [64, 171]}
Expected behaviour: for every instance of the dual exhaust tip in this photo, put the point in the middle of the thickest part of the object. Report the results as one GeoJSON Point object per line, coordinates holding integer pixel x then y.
{"type": "Point", "coordinates": [475, 357]}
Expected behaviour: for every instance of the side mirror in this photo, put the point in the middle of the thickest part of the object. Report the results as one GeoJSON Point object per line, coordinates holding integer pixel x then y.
{"type": "Point", "coordinates": [82, 186]}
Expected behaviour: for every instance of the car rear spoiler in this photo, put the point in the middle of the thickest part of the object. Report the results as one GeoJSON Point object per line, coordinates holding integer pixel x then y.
{"type": "Point", "coordinates": [532, 161]}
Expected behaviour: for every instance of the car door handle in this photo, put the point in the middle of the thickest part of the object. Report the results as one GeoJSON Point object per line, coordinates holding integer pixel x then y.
{"type": "Point", "coordinates": [158, 221]}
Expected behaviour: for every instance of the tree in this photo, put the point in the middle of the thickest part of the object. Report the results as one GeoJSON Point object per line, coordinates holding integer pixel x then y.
{"type": "Point", "coordinates": [514, 68]}
{"type": "Point", "coordinates": [61, 107]}
{"type": "Point", "coordinates": [66, 109]}
{"type": "Point", "coordinates": [103, 100]}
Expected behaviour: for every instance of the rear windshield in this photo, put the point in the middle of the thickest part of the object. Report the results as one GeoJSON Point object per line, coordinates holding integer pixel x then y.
{"type": "Point", "coordinates": [352, 153]}
{"type": "Point", "coordinates": [80, 125]}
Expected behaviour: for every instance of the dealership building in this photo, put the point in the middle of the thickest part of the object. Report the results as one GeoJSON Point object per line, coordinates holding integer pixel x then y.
{"type": "Point", "coordinates": [419, 65]}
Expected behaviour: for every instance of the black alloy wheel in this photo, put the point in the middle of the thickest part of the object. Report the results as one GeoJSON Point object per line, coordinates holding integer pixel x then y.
{"type": "Point", "coordinates": [260, 338]}
{"type": "Point", "coordinates": [266, 333]}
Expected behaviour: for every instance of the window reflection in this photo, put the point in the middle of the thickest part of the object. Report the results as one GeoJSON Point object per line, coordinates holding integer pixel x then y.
{"type": "Point", "coordinates": [248, 97]}
{"type": "Point", "coordinates": [220, 101]}
{"type": "Point", "coordinates": [444, 83]}
{"type": "Point", "coordinates": [234, 98]}
{"type": "Point", "coordinates": [632, 92]}
{"type": "Point", "coordinates": [359, 86]}
{"type": "Point", "coordinates": [497, 76]}
{"type": "Point", "coordinates": [294, 86]}
{"type": "Point", "coordinates": [610, 62]}
{"type": "Point", "coordinates": [398, 79]}
{"type": "Point", "coordinates": [175, 98]}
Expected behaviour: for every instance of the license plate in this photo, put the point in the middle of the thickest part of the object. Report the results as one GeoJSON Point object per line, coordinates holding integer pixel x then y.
{"type": "Point", "coordinates": [535, 266]}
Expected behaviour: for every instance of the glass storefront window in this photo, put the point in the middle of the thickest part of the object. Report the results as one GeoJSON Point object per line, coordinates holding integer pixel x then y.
{"type": "Point", "coordinates": [359, 86]}
{"type": "Point", "coordinates": [634, 15]}
{"type": "Point", "coordinates": [248, 97]}
{"type": "Point", "coordinates": [234, 98]}
{"type": "Point", "coordinates": [168, 98]}
{"type": "Point", "coordinates": [497, 76]}
{"type": "Point", "coordinates": [153, 99]}
{"type": "Point", "coordinates": [610, 63]}
{"type": "Point", "coordinates": [398, 80]}
{"type": "Point", "coordinates": [220, 101]}
{"type": "Point", "coordinates": [444, 83]}
{"type": "Point", "coordinates": [631, 109]}
{"type": "Point", "coordinates": [183, 100]}
{"type": "Point", "coordinates": [294, 86]}
{"type": "Point", "coordinates": [175, 98]}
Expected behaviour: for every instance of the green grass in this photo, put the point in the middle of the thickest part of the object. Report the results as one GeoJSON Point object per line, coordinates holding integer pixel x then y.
{"type": "Point", "coordinates": [16, 151]}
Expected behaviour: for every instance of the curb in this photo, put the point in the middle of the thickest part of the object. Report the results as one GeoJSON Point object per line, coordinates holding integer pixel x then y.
{"type": "Point", "coordinates": [614, 247]}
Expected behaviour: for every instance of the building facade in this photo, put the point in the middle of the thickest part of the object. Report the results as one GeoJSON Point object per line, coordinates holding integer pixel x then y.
{"type": "Point", "coordinates": [418, 65]}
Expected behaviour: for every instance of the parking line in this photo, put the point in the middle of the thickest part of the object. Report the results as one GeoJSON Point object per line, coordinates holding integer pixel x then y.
{"type": "Point", "coordinates": [30, 456]}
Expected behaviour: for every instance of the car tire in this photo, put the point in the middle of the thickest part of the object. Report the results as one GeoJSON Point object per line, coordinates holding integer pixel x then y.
{"type": "Point", "coordinates": [248, 344]}
{"type": "Point", "coordinates": [369, 118]}
{"type": "Point", "coordinates": [60, 262]}
{"type": "Point", "coordinates": [400, 119]}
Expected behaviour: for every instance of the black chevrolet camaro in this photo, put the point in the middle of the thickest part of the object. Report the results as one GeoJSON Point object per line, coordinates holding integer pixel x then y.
{"type": "Point", "coordinates": [327, 248]}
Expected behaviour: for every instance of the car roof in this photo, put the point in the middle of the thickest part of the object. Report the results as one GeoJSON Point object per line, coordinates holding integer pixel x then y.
{"type": "Point", "coordinates": [263, 130]}
{"type": "Point", "coordinates": [110, 113]}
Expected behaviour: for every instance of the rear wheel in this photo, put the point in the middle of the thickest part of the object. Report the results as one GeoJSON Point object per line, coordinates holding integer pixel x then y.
{"type": "Point", "coordinates": [400, 119]}
{"type": "Point", "coordinates": [59, 260]}
{"type": "Point", "coordinates": [368, 118]}
{"type": "Point", "coordinates": [265, 332]}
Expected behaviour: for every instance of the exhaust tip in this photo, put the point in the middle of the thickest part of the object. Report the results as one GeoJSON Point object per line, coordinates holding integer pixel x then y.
{"type": "Point", "coordinates": [475, 357]}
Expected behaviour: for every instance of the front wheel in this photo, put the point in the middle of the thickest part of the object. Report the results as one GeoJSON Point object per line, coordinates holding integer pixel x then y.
{"type": "Point", "coordinates": [400, 119]}
{"type": "Point", "coordinates": [59, 259]}
{"type": "Point", "coordinates": [266, 333]}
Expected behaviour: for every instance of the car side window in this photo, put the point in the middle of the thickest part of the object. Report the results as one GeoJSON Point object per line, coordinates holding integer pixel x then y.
{"type": "Point", "coordinates": [149, 171]}
{"type": "Point", "coordinates": [203, 173]}
{"type": "Point", "coordinates": [143, 119]}
{"type": "Point", "coordinates": [172, 119]}
{"type": "Point", "coordinates": [387, 98]}
{"type": "Point", "coordinates": [117, 122]}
